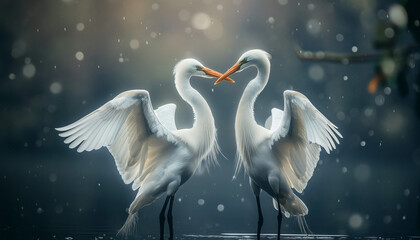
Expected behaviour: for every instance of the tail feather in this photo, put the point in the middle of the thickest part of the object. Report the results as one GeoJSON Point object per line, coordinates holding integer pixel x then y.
{"type": "Point", "coordinates": [129, 226]}
{"type": "Point", "coordinates": [294, 207]}
{"type": "Point", "coordinates": [297, 208]}
{"type": "Point", "coordinates": [303, 225]}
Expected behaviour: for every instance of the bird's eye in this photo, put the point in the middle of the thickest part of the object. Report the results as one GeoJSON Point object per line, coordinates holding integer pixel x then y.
{"type": "Point", "coordinates": [199, 68]}
{"type": "Point", "coordinates": [245, 60]}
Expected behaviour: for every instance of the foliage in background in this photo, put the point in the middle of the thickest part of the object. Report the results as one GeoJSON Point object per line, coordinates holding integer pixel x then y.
{"type": "Point", "coordinates": [393, 59]}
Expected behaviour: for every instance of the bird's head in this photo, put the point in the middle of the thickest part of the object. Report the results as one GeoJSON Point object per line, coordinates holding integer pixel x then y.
{"type": "Point", "coordinates": [192, 67]}
{"type": "Point", "coordinates": [248, 59]}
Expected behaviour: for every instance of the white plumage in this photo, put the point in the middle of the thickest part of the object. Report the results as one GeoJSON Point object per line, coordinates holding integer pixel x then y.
{"type": "Point", "coordinates": [283, 154]}
{"type": "Point", "coordinates": [149, 151]}
{"type": "Point", "coordinates": [302, 129]}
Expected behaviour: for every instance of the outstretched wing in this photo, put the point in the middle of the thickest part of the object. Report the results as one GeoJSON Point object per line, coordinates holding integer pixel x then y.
{"type": "Point", "coordinates": [166, 116]}
{"type": "Point", "coordinates": [297, 136]}
{"type": "Point", "coordinates": [273, 121]}
{"type": "Point", "coordinates": [130, 129]}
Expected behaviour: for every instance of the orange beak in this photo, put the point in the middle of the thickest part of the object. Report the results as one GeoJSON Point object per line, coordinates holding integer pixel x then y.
{"type": "Point", "coordinates": [211, 72]}
{"type": "Point", "coordinates": [229, 72]}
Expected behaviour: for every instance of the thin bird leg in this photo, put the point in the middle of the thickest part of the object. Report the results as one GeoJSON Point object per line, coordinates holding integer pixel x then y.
{"type": "Point", "coordinates": [260, 217]}
{"type": "Point", "coordinates": [162, 218]}
{"type": "Point", "coordinates": [169, 216]}
{"type": "Point", "coordinates": [279, 219]}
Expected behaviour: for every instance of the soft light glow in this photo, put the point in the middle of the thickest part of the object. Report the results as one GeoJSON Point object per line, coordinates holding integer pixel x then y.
{"type": "Point", "coordinates": [134, 44]}
{"type": "Point", "coordinates": [220, 208]}
{"type": "Point", "coordinates": [389, 32]}
{"type": "Point", "coordinates": [79, 56]}
{"type": "Point", "coordinates": [283, 2]}
{"type": "Point", "coordinates": [80, 27]}
{"type": "Point", "coordinates": [56, 88]}
{"type": "Point", "coordinates": [316, 73]}
{"type": "Point", "coordinates": [155, 6]}
{"type": "Point", "coordinates": [29, 70]}
{"type": "Point", "coordinates": [313, 26]}
{"type": "Point", "coordinates": [201, 21]}
{"type": "Point", "coordinates": [388, 66]}
{"type": "Point", "coordinates": [339, 37]}
{"type": "Point", "coordinates": [355, 221]}
{"type": "Point", "coordinates": [398, 15]}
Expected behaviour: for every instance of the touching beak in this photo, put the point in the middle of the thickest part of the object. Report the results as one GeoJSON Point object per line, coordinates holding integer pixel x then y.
{"type": "Point", "coordinates": [229, 72]}
{"type": "Point", "coordinates": [212, 73]}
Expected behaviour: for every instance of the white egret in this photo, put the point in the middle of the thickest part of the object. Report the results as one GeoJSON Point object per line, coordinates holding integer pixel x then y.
{"type": "Point", "coordinates": [283, 154]}
{"type": "Point", "coordinates": [149, 151]}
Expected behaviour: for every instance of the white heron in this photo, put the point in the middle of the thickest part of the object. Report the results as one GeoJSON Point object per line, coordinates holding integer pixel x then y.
{"type": "Point", "coordinates": [149, 151]}
{"type": "Point", "coordinates": [283, 154]}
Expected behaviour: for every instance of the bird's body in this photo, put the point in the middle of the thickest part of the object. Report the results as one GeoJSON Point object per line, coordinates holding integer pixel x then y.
{"type": "Point", "coordinates": [150, 152]}
{"type": "Point", "coordinates": [283, 154]}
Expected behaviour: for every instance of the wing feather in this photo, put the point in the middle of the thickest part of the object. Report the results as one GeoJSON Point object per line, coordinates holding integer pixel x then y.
{"type": "Point", "coordinates": [166, 116]}
{"type": "Point", "coordinates": [133, 132]}
{"type": "Point", "coordinates": [296, 139]}
{"type": "Point", "coordinates": [91, 134]}
{"type": "Point", "coordinates": [106, 131]}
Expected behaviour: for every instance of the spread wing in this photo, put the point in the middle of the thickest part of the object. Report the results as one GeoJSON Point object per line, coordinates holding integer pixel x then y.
{"type": "Point", "coordinates": [166, 116]}
{"type": "Point", "coordinates": [297, 136]}
{"type": "Point", "coordinates": [274, 120]}
{"type": "Point", "coordinates": [130, 129]}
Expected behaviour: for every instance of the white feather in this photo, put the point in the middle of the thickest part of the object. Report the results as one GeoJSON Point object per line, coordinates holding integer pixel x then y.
{"type": "Point", "coordinates": [149, 152]}
{"type": "Point", "coordinates": [166, 116]}
{"type": "Point", "coordinates": [284, 154]}
{"type": "Point", "coordinates": [120, 124]}
{"type": "Point", "coordinates": [308, 129]}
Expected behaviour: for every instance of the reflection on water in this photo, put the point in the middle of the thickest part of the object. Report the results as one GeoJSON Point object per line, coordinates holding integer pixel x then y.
{"type": "Point", "coordinates": [111, 236]}
{"type": "Point", "coordinates": [265, 236]}
{"type": "Point", "coordinates": [290, 236]}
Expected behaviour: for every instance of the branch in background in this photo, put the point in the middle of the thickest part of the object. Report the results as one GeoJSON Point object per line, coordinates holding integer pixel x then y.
{"type": "Point", "coordinates": [380, 76]}
{"type": "Point", "coordinates": [349, 58]}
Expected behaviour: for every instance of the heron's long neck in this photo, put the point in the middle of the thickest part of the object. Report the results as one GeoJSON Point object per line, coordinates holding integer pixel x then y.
{"type": "Point", "coordinates": [203, 132]}
{"type": "Point", "coordinates": [251, 92]}
{"type": "Point", "coordinates": [247, 131]}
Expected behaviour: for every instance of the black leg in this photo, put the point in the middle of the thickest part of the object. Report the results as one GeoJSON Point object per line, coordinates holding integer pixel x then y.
{"type": "Point", "coordinates": [260, 217]}
{"type": "Point", "coordinates": [279, 219]}
{"type": "Point", "coordinates": [162, 218]}
{"type": "Point", "coordinates": [169, 216]}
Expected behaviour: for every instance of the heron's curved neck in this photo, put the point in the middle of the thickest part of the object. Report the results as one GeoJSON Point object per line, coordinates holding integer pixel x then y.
{"type": "Point", "coordinates": [203, 130]}
{"type": "Point", "coordinates": [253, 89]}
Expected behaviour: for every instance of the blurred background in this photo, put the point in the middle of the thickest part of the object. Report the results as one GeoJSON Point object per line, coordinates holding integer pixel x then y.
{"type": "Point", "coordinates": [357, 61]}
